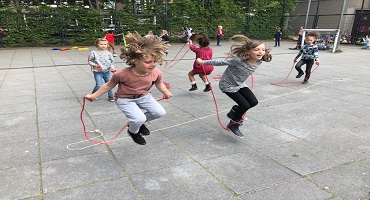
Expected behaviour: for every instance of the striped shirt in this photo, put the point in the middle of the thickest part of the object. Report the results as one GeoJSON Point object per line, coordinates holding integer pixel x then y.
{"type": "Point", "coordinates": [309, 52]}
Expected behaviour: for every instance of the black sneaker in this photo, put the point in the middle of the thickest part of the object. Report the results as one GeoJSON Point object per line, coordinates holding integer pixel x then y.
{"type": "Point", "coordinates": [234, 127]}
{"type": "Point", "coordinates": [299, 75]}
{"type": "Point", "coordinates": [111, 99]}
{"type": "Point", "coordinates": [144, 130]}
{"type": "Point", "coordinates": [137, 138]}
{"type": "Point", "coordinates": [193, 87]}
{"type": "Point", "coordinates": [208, 88]}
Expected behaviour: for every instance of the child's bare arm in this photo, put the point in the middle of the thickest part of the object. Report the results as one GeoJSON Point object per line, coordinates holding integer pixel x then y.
{"type": "Point", "coordinates": [162, 88]}
{"type": "Point", "coordinates": [102, 90]}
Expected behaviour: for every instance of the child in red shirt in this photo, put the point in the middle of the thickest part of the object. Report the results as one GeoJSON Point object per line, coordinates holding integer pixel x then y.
{"type": "Point", "coordinates": [219, 35]}
{"type": "Point", "coordinates": [110, 37]}
{"type": "Point", "coordinates": [205, 53]}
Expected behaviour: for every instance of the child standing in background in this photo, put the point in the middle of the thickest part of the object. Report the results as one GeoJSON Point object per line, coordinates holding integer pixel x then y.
{"type": "Point", "coordinates": [243, 60]}
{"type": "Point", "coordinates": [110, 37]}
{"type": "Point", "coordinates": [277, 36]}
{"type": "Point", "coordinates": [205, 53]}
{"type": "Point", "coordinates": [135, 83]}
{"type": "Point", "coordinates": [310, 55]}
{"type": "Point", "coordinates": [219, 35]}
{"type": "Point", "coordinates": [102, 64]}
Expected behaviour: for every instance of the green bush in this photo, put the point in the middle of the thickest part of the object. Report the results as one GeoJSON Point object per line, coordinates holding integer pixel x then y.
{"type": "Point", "coordinates": [45, 26]}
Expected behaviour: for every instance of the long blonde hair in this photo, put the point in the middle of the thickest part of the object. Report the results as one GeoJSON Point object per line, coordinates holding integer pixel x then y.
{"type": "Point", "coordinates": [139, 47]}
{"type": "Point", "coordinates": [241, 49]}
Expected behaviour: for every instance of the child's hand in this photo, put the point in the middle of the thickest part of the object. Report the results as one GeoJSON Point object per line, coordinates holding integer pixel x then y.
{"type": "Point", "coordinates": [190, 42]}
{"type": "Point", "coordinates": [317, 63]}
{"type": "Point", "coordinates": [199, 61]}
{"type": "Point", "coordinates": [113, 71]}
{"type": "Point", "coordinates": [89, 97]}
{"type": "Point", "coordinates": [295, 60]}
{"type": "Point", "coordinates": [167, 95]}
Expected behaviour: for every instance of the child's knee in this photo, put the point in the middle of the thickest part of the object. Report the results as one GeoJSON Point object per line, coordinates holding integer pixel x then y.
{"type": "Point", "coordinates": [254, 103]}
{"type": "Point", "coordinates": [158, 113]}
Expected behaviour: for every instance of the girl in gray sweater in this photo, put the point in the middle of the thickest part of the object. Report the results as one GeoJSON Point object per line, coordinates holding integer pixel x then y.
{"type": "Point", "coordinates": [244, 58]}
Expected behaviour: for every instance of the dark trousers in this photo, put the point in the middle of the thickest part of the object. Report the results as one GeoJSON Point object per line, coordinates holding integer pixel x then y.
{"type": "Point", "coordinates": [218, 40]}
{"type": "Point", "coordinates": [309, 64]}
{"type": "Point", "coordinates": [277, 42]}
{"type": "Point", "coordinates": [299, 41]}
{"type": "Point", "coordinates": [245, 100]}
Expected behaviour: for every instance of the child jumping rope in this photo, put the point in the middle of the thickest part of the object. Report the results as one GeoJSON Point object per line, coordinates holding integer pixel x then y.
{"type": "Point", "coordinates": [205, 53]}
{"type": "Point", "coordinates": [310, 55]}
{"type": "Point", "coordinates": [243, 60]}
{"type": "Point", "coordinates": [101, 62]}
{"type": "Point", "coordinates": [135, 83]}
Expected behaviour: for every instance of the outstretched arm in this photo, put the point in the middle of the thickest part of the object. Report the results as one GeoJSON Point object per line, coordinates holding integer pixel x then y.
{"type": "Point", "coordinates": [102, 90]}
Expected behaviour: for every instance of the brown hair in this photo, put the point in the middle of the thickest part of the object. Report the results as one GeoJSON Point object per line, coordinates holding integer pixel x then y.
{"type": "Point", "coordinates": [313, 34]}
{"type": "Point", "coordinates": [203, 40]}
{"type": "Point", "coordinates": [241, 49]}
{"type": "Point", "coordinates": [100, 40]}
{"type": "Point", "coordinates": [139, 47]}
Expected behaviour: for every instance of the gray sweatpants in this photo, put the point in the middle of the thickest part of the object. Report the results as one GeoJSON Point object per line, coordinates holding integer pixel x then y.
{"type": "Point", "coordinates": [132, 109]}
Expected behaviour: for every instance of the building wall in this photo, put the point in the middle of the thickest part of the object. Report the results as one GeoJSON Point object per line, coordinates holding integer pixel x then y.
{"type": "Point", "coordinates": [328, 14]}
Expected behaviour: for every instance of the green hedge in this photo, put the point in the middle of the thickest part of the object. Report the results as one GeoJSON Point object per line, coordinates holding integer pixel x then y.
{"type": "Point", "coordinates": [76, 26]}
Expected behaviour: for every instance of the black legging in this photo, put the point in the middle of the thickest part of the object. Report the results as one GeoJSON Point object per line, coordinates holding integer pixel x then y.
{"type": "Point", "coordinates": [245, 100]}
{"type": "Point", "coordinates": [308, 63]}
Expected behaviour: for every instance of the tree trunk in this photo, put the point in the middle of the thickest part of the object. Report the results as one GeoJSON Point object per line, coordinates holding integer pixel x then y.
{"type": "Point", "coordinates": [97, 4]}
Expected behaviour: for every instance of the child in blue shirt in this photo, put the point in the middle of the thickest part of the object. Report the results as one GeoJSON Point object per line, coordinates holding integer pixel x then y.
{"type": "Point", "coordinates": [277, 36]}
{"type": "Point", "coordinates": [310, 55]}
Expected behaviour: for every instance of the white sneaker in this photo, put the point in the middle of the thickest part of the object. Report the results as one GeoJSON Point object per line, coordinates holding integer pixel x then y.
{"type": "Point", "coordinates": [114, 55]}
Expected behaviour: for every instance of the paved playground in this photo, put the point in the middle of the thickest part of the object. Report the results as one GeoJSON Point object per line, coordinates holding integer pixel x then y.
{"type": "Point", "coordinates": [308, 141]}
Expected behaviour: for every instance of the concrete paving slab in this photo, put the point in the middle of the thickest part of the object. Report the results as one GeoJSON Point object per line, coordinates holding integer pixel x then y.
{"type": "Point", "coordinates": [17, 119]}
{"type": "Point", "coordinates": [189, 181]}
{"type": "Point", "coordinates": [19, 154]}
{"type": "Point", "coordinates": [20, 182]}
{"type": "Point", "coordinates": [350, 181]}
{"type": "Point", "coordinates": [345, 143]}
{"type": "Point", "coordinates": [305, 158]}
{"type": "Point", "coordinates": [153, 156]}
{"type": "Point", "coordinates": [15, 134]}
{"type": "Point", "coordinates": [296, 189]}
{"type": "Point", "coordinates": [248, 171]}
{"type": "Point", "coordinates": [59, 147]}
{"type": "Point", "coordinates": [79, 171]}
{"type": "Point", "coordinates": [113, 189]}
{"type": "Point", "coordinates": [63, 127]}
